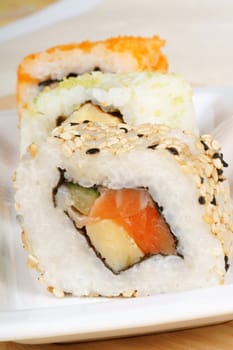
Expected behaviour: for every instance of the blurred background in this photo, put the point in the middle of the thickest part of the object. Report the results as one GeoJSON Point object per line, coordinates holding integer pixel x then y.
{"type": "Point", "coordinates": [198, 32]}
{"type": "Point", "coordinates": [198, 36]}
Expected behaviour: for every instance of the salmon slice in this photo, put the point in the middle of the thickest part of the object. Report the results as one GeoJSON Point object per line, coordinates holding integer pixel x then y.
{"type": "Point", "coordinates": [136, 212]}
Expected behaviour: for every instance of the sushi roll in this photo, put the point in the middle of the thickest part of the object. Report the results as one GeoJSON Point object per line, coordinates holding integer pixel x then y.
{"type": "Point", "coordinates": [121, 54]}
{"type": "Point", "coordinates": [133, 98]}
{"type": "Point", "coordinates": [125, 210]}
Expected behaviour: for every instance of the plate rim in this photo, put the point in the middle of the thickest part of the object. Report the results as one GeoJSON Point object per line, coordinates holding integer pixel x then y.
{"type": "Point", "coordinates": [179, 309]}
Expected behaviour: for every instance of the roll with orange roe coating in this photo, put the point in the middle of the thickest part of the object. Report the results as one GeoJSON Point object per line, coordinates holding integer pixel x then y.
{"type": "Point", "coordinates": [115, 55]}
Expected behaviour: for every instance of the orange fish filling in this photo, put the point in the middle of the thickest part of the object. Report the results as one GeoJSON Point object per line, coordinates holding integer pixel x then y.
{"type": "Point", "coordinates": [137, 213]}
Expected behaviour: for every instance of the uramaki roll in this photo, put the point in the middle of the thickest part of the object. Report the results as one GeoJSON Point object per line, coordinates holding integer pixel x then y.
{"type": "Point", "coordinates": [133, 98]}
{"type": "Point", "coordinates": [118, 210]}
{"type": "Point", "coordinates": [121, 54]}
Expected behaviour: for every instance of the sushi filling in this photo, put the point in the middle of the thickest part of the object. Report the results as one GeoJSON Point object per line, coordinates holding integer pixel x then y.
{"type": "Point", "coordinates": [123, 226]}
{"type": "Point", "coordinates": [52, 83]}
{"type": "Point", "coordinates": [89, 112]}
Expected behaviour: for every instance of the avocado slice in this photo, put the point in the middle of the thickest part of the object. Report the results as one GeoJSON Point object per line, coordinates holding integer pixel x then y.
{"type": "Point", "coordinates": [82, 197]}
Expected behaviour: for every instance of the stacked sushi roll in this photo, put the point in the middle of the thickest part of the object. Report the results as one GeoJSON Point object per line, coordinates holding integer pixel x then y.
{"type": "Point", "coordinates": [124, 186]}
{"type": "Point", "coordinates": [121, 54]}
{"type": "Point", "coordinates": [133, 98]}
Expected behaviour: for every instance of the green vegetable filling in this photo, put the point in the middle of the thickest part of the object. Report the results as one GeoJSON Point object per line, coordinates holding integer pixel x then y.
{"type": "Point", "coordinates": [82, 197]}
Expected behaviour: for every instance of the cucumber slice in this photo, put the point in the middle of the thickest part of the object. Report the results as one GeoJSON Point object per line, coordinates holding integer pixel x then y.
{"type": "Point", "coordinates": [82, 197]}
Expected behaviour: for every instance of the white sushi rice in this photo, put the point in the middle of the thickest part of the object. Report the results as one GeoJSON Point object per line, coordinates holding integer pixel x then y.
{"type": "Point", "coordinates": [143, 97]}
{"type": "Point", "coordinates": [67, 262]}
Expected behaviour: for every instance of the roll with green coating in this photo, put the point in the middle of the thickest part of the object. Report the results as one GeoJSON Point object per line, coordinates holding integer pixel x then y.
{"type": "Point", "coordinates": [131, 98]}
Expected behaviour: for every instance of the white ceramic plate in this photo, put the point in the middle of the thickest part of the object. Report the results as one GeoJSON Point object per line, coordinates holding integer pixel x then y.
{"type": "Point", "coordinates": [29, 314]}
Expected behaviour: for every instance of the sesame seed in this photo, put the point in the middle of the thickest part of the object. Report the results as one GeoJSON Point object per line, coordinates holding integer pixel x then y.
{"type": "Point", "coordinates": [215, 216]}
{"type": "Point", "coordinates": [125, 129]}
{"type": "Point", "coordinates": [216, 155]}
{"type": "Point", "coordinates": [50, 289]}
{"type": "Point", "coordinates": [173, 151]}
{"type": "Point", "coordinates": [32, 261]}
{"type": "Point", "coordinates": [214, 175]}
{"type": "Point", "coordinates": [207, 219]}
{"type": "Point", "coordinates": [219, 172]}
{"type": "Point", "coordinates": [208, 169]}
{"type": "Point", "coordinates": [153, 146]}
{"type": "Point", "coordinates": [226, 260]}
{"type": "Point", "coordinates": [128, 293]}
{"type": "Point", "coordinates": [204, 158]}
{"type": "Point", "coordinates": [225, 165]}
{"type": "Point", "coordinates": [201, 200]}
{"type": "Point", "coordinates": [164, 128]}
{"type": "Point", "coordinates": [60, 120]}
{"type": "Point", "coordinates": [186, 169]}
{"type": "Point", "coordinates": [66, 135]}
{"type": "Point", "coordinates": [92, 151]}
{"type": "Point", "coordinates": [74, 123]}
{"type": "Point", "coordinates": [213, 202]}
{"type": "Point", "coordinates": [112, 141]}
{"type": "Point", "coordinates": [217, 162]}
{"type": "Point", "coordinates": [33, 150]}
{"type": "Point", "coordinates": [58, 293]}
{"type": "Point", "coordinates": [216, 146]}
{"type": "Point", "coordinates": [204, 145]}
